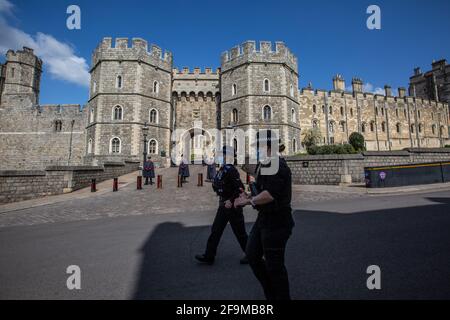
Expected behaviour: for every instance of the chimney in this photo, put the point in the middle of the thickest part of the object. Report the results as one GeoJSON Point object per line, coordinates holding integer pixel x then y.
{"type": "Point", "coordinates": [417, 71]}
{"type": "Point", "coordinates": [388, 91]}
{"type": "Point", "coordinates": [338, 83]}
{"type": "Point", "coordinates": [357, 85]}
{"type": "Point", "coordinates": [401, 92]}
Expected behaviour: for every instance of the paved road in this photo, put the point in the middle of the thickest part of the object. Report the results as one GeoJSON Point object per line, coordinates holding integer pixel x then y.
{"type": "Point", "coordinates": [150, 255]}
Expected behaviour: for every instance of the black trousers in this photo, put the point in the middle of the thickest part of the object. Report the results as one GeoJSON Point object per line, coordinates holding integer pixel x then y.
{"type": "Point", "coordinates": [236, 219]}
{"type": "Point", "coordinates": [270, 271]}
{"type": "Point", "coordinates": [146, 180]}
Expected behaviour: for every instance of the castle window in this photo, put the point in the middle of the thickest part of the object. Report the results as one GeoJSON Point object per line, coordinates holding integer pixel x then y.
{"type": "Point", "coordinates": [382, 111]}
{"type": "Point", "coordinates": [234, 116]}
{"type": "Point", "coordinates": [117, 113]}
{"type": "Point", "coordinates": [293, 116]}
{"type": "Point", "coordinates": [314, 108]}
{"type": "Point", "coordinates": [153, 116]}
{"type": "Point", "coordinates": [292, 90]}
{"type": "Point", "coordinates": [383, 126]}
{"type": "Point", "coordinates": [91, 116]}
{"type": "Point", "coordinates": [372, 126]}
{"type": "Point", "coordinates": [331, 126]}
{"type": "Point", "coordinates": [115, 146]}
{"type": "Point", "coordinates": [94, 87]}
{"type": "Point", "coordinates": [342, 111]}
{"type": "Point", "coordinates": [12, 72]}
{"type": "Point", "coordinates": [119, 82]}
{"type": "Point", "coordinates": [156, 87]}
{"type": "Point", "coordinates": [397, 127]}
{"type": "Point", "coordinates": [396, 113]}
{"type": "Point", "coordinates": [351, 112]}
{"type": "Point", "coordinates": [266, 85]}
{"type": "Point", "coordinates": [294, 145]}
{"type": "Point", "coordinates": [323, 109]}
{"type": "Point", "coordinates": [153, 146]}
{"type": "Point", "coordinates": [58, 126]}
{"type": "Point", "coordinates": [315, 124]}
{"type": "Point", "coordinates": [404, 113]}
{"type": "Point", "coordinates": [442, 131]}
{"type": "Point", "coordinates": [412, 128]}
{"type": "Point", "coordinates": [89, 149]}
{"type": "Point", "coordinates": [420, 128]}
{"type": "Point", "coordinates": [433, 129]}
{"type": "Point", "coordinates": [342, 126]}
{"type": "Point", "coordinates": [233, 89]}
{"type": "Point", "coordinates": [330, 109]}
{"type": "Point", "coordinates": [418, 113]}
{"type": "Point", "coordinates": [363, 127]}
{"type": "Point", "coordinates": [267, 113]}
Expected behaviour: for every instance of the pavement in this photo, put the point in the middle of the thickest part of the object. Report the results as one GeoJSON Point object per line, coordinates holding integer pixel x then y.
{"type": "Point", "coordinates": [139, 244]}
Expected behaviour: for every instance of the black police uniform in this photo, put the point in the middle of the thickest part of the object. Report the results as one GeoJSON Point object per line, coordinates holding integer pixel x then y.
{"type": "Point", "coordinates": [271, 232]}
{"type": "Point", "coordinates": [226, 184]}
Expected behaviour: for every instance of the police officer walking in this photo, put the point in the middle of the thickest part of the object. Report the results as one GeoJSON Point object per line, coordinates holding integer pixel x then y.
{"type": "Point", "coordinates": [273, 226]}
{"type": "Point", "coordinates": [228, 185]}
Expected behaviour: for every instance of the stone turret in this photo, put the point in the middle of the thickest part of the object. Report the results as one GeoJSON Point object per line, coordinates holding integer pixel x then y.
{"type": "Point", "coordinates": [338, 83]}
{"type": "Point", "coordinates": [357, 85]}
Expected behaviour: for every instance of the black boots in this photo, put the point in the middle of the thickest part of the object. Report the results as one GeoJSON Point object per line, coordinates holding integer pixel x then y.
{"type": "Point", "coordinates": [204, 259]}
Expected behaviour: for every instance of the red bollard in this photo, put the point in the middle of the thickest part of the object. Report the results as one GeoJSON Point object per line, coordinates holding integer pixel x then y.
{"type": "Point", "coordinates": [200, 180]}
{"type": "Point", "coordinates": [139, 183]}
{"type": "Point", "coordinates": [93, 185]}
{"type": "Point", "coordinates": [159, 182]}
{"type": "Point", "coordinates": [115, 184]}
{"type": "Point", "coordinates": [180, 181]}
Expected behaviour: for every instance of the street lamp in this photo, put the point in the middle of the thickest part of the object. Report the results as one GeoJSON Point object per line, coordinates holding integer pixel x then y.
{"type": "Point", "coordinates": [144, 133]}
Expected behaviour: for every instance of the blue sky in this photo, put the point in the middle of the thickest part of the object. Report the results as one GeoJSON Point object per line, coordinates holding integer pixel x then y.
{"type": "Point", "coordinates": [328, 37]}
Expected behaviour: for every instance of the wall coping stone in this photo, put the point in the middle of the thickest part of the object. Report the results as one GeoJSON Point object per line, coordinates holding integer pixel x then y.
{"type": "Point", "coordinates": [399, 153]}
{"type": "Point", "coordinates": [428, 150]}
{"type": "Point", "coordinates": [325, 157]}
{"type": "Point", "coordinates": [74, 168]}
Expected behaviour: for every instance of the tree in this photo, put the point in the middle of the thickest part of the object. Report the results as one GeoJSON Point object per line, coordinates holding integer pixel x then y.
{"type": "Point", "coordinates": [311, 137]}
{"type": "Point", "coordinates": [357, 141]}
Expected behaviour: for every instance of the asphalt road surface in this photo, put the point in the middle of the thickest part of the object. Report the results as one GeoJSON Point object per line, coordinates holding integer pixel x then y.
{"type": "Point", "coordinates": [150, 256]}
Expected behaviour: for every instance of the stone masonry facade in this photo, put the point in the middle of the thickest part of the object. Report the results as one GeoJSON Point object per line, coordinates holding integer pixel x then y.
{"type": "Point", "coordinates": [134, 85]}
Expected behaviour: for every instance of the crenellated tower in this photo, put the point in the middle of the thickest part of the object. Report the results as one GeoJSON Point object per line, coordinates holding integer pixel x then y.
{"type": "Point", "coordinates": [21, 78]}
{"type": "Point", "coordinates": [259, 89]}
{"type": "Point", "coordinates": [131, 85]}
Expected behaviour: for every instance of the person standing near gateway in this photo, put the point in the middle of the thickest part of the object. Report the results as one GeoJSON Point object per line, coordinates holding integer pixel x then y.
{"type": "Point", "coordinates": [273, 226]}
{"type": "Point", "coordinates": [149, 171]}
{"type": "Point", "coordinates": [228, 185]}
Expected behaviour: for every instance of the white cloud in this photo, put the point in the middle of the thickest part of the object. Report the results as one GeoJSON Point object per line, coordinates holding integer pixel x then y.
{"type": "Point", "coordinates": [370, 88]}
{"type": "Point", "coordinates": [59, 58]}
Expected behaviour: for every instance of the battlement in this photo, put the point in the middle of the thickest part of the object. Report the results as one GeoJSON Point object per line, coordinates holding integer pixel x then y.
{"type": "Point", "coordinates": [26, 55]}
{"type": "Point", "coordinates": [266, 53]}
{"type": "Point", "coordinates": [138, 50]}
{"type": "Point", "coordinates": [195, 71]}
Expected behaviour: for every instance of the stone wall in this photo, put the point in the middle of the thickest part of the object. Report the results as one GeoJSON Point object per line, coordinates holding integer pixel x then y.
{"type": "Point", "coordinates": [341, 169]}
{"type": "Point", "coordinates": [18, 185]}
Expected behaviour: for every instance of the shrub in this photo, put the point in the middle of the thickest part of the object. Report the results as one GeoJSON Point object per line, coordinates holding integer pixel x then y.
{"type": "Point", "coordinates": [357, 141]}
{"type": "Point", "coordinates": [331, 149]}
{"type": "Point", "coordinates": [311, 137]}
{"type": "Point", "coordinates": [447, 146]}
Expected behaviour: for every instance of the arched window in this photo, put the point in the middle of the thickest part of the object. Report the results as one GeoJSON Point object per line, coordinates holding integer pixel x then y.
{"type": "Point", "coordinates": [420, 128]}
{"type": "Point", "coordinates": [331, 126]}
{"type": "Point", "coordinates": [404, 113]}
{"type": "Point", "coordinates": [342, 124]}
{"type": "Point", "coordinates": [323, 109]}
{"type": "Point", "coordinates": [91, 115]}
{"type": "Point", "coordinates": [418, 113]}
{"type": "Point", "coordinates": [267, 113]}
{"type": "Point", "coordinates": [351, 112]}
{"type": "Point", "coordinates": [433, 129]}
{"type": "Point", "coordinates": [382, 111]}
{"type": "Point", "coordinates": [266, 85]}
{"type": "Point", "coordinates": [291, 90]}
{"type": "Point", "coordinates": [234, 116]}
{"type": "Point", "coordinates": [233, 89]}
{"type": "Point", "coordinates": [117, 113]}
{"type": "Point", "coordinates": [294, 145]}
{"type": "Point", "coordinates": [58, 125]}
{"type": "Point", "coordinates": [398, 127]}
{"type": "Point", "coordinates": [342, 111]}
{"type": "Point", "coordinates": [293, 115]}
{"type": "Point", "coordinates": [396, 113]}
{"type": "Point", "coordinates": [119, 82]}
{"type": "Point", "coordinates": [314, 108]}
{"type": "Point", "coordinates": [115, 146]}
{"type": "Point", "coordinates": [372, 126]}
{"type": "Point", "coordinates": [153, 146]}
{"type": "Point", "coordinates": [383, 126]}
{"type": "Point", "coordinates": [156, 87]}
{"type": "Point", "coordinates": [153, 116]}
{"type": "Point", "coordinates": [315, 124]}
{"type": "Point", "coordinates": [442, 131]}
{"type": "Point", "coordinates": [89, 150]}
{"type": "Point", "coordinates": [412, 128]}
{"type": "Point", "coordinates": [376, 111]}
{"type": "Point", "coordinates": [330, 109]}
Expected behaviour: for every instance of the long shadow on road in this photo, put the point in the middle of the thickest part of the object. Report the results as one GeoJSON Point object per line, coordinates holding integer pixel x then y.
{"type": "Point", "coordinates": [327, 258]}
